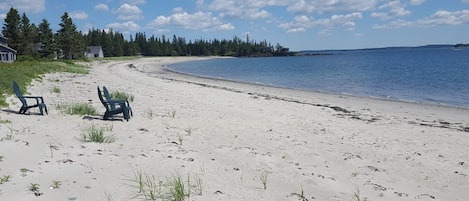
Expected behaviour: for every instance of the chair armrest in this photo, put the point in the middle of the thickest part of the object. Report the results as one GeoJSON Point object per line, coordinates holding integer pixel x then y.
{"type": "Point", "coordinates": [40, 97]}
{"type": "Point", "coordinates": [117, 101]}
{"type": "Point", "coordinates": [112, 103]}
{"type": "Point", "coordinates": [34, 97]}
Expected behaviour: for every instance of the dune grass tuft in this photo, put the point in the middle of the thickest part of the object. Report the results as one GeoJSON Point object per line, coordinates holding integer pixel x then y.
{"type": "Point", "coordinates": [175, 188]}
{"type": "Point", "coordinates": [98, 134]}
{"type": "Point", "coordinates": [77, 109]}
{"type": "Point", "coordinates": [55, 90]}
{"type": "Point", "coordinates": [122, 96]}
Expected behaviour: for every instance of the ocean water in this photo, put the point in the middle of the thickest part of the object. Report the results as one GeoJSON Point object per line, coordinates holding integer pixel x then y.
{"type": "Point", "coordinates": [428, 75]}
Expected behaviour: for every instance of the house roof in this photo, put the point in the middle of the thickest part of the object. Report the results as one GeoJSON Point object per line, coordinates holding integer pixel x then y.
{"type": "Point", "coordinates": [3, 40]}
{"type": "Point", "coordinates": [96, 49]}
{"type": "Point", "coordinates": [4, 48]}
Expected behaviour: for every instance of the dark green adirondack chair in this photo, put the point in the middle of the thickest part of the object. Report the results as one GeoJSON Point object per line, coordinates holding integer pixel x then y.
{"type": "Point", "coordinates": [39, 101]}
{"type": "Point", "coordinates": [107, 95]}
{"type": "Point", "coordinates": [113, 107]}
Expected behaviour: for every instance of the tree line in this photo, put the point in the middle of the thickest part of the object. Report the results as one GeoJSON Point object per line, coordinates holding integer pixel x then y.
{"type": "Point", "coordinates": [40, 41]}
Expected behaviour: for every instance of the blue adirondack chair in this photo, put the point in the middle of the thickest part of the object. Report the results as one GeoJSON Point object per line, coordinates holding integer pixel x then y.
{"type": "Point", "coordinates": [25, 106]}
{"type": "Point", "coordinates": [107, 95]}
{"type": "Point", "coordinates": [113, 107]}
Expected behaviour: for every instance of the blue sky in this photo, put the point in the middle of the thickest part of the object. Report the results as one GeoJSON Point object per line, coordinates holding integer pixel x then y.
{"type": "Point", "coordinates": [297, 24]}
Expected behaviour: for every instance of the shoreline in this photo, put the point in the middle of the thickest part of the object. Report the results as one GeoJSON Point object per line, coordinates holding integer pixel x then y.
{"type": "Point", "coordinates": [327, 100]}
{"type": "Point", "coordinates": [437, 104]}
{"type": "Point", "coordinates": [229, 136]}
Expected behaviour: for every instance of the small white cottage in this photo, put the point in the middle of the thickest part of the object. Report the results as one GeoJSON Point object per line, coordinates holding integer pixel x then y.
{"type": "Point", "coordinates": [94, 52]}
{"type": "Point", "coordinates": [7, 54]}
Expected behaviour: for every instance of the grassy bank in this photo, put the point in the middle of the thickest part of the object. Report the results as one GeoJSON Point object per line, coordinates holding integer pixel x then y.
{"type": "Point", "coordinates": [25, 71]}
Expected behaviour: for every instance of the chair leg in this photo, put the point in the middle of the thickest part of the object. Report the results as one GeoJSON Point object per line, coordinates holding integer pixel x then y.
{"type": "Point", "coordinates": [106, 115]}
{"type": "Point", "coordinates": [45, 109]}
{"type": "Point", "coordinates": [126, 114]}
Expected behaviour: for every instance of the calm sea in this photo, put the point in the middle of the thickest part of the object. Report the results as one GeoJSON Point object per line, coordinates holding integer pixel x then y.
{"type": "Point", "coordinates": [429, 75]}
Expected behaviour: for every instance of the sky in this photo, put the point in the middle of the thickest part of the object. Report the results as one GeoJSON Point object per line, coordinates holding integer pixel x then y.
{"type": "Point", "coordinates": [296, 24]}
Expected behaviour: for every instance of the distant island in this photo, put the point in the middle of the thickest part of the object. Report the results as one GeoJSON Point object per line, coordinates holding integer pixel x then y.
{"type": "Point", "coordinates": [333, 52]}
{"type": "Point", "coordinates": [460, 46]}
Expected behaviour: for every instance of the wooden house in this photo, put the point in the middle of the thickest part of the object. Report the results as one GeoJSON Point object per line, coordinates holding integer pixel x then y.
{"type": "Point", "coordinates": [7, 54]}
{"type": "Point", "coordinates": [94, 52]}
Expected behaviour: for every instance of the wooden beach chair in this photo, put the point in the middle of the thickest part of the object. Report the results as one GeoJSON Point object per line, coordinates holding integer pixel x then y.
{"type": "Point", "coordinates": [39, 101]}
{"type": "Point", "coordinates": [113, 107]}
{"type": "Point", "coordinates": [116, 101]}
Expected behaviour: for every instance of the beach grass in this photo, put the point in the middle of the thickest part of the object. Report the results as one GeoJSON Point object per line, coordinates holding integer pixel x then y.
{"type": "Point", "coordinates": [177, 188]}
{"type": "Point", "coordinates": [148, 186]}
{"type": "Point", "coordinates": [5, 121]}
{"type": "Point", "coordinates": [98, 134]}
{"type": "Point", "coordinates": [55, 90]}
{"type": "Point", "coordinates": [56, 184]}
{"type": "Point", "coordinates": [263, 178]}
{"type": "Point", "coordinates": [122, 96]}
{"type": "Point", "coordinates": [26, 71]}
{"type": "Point", "coordinates": [172, 114]}
{"type": "Point", "coordinates": [4, 179]}
{"type": "Point", "coordinates": [149, 113]}
{"type": "Point", "coordinates": [358, 197]}
{"type": "Point", "coordinates": [77, 109]}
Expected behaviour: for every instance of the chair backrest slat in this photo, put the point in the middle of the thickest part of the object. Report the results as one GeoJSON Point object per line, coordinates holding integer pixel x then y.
{"type": "Point", "coordinates": [18, 93]}
{"type": "Point", "coordinates": [100, 95]}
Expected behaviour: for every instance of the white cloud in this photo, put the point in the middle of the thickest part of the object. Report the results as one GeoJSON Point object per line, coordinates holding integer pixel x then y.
{"type": "Point", "coordinates": [200, 21]}
{"type": "Point", "coordinates": [295, 30]}
{"type": "Point", "coordinates": [441, 17]}
{"type": "Point", "coordinates": [323, 6]}
{"type": "Point", "coordinates": [125, 26]}
{"type": "Point", "coordinates": [228, 26]}
{"type": "Point", "coordinates": [3, 16]}
{"type": "Point", "coordinates": [78, 15]}
{"type": "Point", "coordinates": [393, 25]}
{"type": "Point", "coordinates": [244, 8]}
{"type": "Point", "coordinates": [27, 6]}
{"type": "Point", "coordinates": [465, 1]}
{"type": "Point", "coordinates": [302, 23]}
{"type": "Point", "coordinates": [394, 9]}
{"type": "Point", "coordinates": [101, 7]}
{"type": "Point", "coordinates": [129, 12]}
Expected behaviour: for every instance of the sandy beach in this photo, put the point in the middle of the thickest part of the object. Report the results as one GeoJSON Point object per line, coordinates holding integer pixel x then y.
{"type": "Point", "coordinates": [233, 141]}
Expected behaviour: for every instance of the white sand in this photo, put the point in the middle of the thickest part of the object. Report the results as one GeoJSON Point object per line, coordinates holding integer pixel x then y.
{"type": "Point", "coordinates": [327, 146]}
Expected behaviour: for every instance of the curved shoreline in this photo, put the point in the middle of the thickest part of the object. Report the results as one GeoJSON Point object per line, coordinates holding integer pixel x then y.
{"type": "Point", "coordinates": [423, 102]}
{"type": "Point", "coordinates": [347, 105]}
{"type": "Point", "coordinates": [163, 68]}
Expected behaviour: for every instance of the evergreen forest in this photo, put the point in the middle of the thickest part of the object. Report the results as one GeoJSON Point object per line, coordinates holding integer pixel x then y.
{"type": "Point", "coordinates": [40, 41]}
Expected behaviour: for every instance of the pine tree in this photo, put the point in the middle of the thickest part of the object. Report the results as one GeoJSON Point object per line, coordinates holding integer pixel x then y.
{"type": "Point", "coordinates": [69, 39]}
{"type": "Point", "coordinates": [27, 37]}
{"type": "Point", "coordinates": [11, 28]}
{"type": "Point", "coordinates": [46, 39]}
